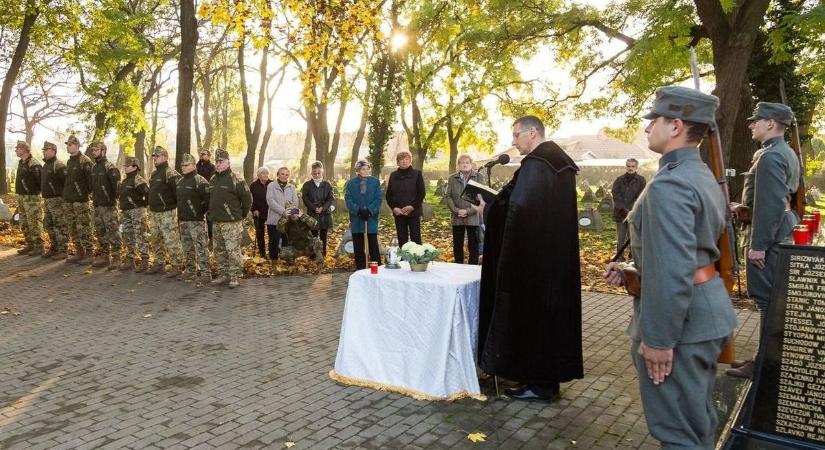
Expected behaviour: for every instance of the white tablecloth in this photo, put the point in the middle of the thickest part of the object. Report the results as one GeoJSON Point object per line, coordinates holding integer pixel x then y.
{"type": "Point", "coordinates": [412, 333]}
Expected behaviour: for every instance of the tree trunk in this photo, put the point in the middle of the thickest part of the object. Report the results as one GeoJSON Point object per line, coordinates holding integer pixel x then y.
{"type": "Point", "coordinates": [186, 78]}
{"type": "Point", "coordinates": [140, 145]}
{"type": "Point", "coordinates": [741, 145]}
{"type": "Point", "coordinates": [208, 125]}
{"type": "Point", "coordinates": [252, 131]}
{"type": "Point", "coordinates": [32, 12]}
{"type": "Point", "coordinates": [100, 126]}
{"type": "Point", "coordinates": [320, 132]}
{"type": "Point", "coordinates": [268, 132]}
{"type": "Point", "coordinates": [453, 137]}
{"type": "Point", "coordinates": [302, 166]}
{"type": "Point", "coordinates": [359, 136]}
{"type": "Point", "coordinates": [418, 150]}
{"type": "Point", "coordinates": [336, 139]}
{"type": "Point", "coordinates": [196, 119]}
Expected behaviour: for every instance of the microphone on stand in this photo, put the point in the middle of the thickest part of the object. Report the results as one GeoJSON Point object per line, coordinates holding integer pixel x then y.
{"type": "Point", "coordinates": [503, 158]}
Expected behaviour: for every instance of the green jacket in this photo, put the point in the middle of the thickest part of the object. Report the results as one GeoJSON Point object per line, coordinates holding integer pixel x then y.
{"type": "Point", "coordinates": [193, 197]}
{"type": "Point", "coordinates": [105, 180]}
{"type": "Point", "coordinates": [133, 192]}
{"type": "Point", "coordinates": [53, 177]}
{"type": "Point", "coordinates": [78, 184]}
{"type": "Point", "coordinates": [229, 197]}
{"type": "Point", "coordinates": [299, 231]}
{"type": "Point", "coordinates": [27, 181]}
{"type": "Point", "coordinates": [163, 186]}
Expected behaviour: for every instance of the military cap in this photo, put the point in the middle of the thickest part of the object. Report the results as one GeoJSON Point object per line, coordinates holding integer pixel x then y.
{"type": "Point", "coordinates": [776, 111]}
{"type": "Point", "coordinates": [187, 159]}
{"type": "Point", "coordinates": [221, 154]}
{"type": "Point", "coordinates": [204, 150]}
{"type": "Point", "coordinates": [48, 145]}
{"type": "Point", "coordinates": [22, 144]}
{"type": "Point", "coordinates": [131, 161]}
{"type": "Point", "coordinates": [160, 151]}
{"type": "Point", "coordinates": [97, 145]}
{"type": "Point", "coordinates": [678, 102]}
{"type": "Point", "coordinates": [73, 140]}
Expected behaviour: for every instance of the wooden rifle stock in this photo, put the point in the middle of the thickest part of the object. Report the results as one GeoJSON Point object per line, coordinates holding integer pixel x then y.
{"type": "Point", "coordinates": [798, 197]}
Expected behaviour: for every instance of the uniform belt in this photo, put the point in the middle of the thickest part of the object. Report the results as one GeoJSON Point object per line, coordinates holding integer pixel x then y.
{"type": "Point", "coordinates": [704, 273]}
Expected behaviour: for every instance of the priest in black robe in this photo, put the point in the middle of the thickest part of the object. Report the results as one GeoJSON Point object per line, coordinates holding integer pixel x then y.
{"type": "Point", "coordinates": [530, 327]}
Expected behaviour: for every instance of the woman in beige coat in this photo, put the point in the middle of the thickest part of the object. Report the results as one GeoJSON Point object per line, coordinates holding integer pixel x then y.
{"type": "Point", "coordinates": [465, 219]}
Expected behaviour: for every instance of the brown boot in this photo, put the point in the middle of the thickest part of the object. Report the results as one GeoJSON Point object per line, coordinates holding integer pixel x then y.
{"type": "Point", "coordinates": [173, 273]}
{"type": "Point", "coordinates": [186, 275]}
{"type": "Point", "coordinates": [125, 264]}
{"type": "Point", "coordinates": [77, 257]}
{"type": "Point", "coordinates": [234, 282]}
{"type": "Point", "coordinates": [25, 250]}
{"type": "Point", "coordinates": [745, 371]}
{"type": "Point", "coordinates": [59, 255]}
{"type": "Point", "coordinates": [49, 253]}
{"type": "Point", "coordinates": [143, 266]}
{"type": "Point", "coordinates": [219, 281]}
{"type": "Point", "coordinates": [157, 268]}
{"type": "Point", "coordinates": [204, 280]}
{"type": "Point", "coordinates": [100, 261]}
{"type": "Point", "coordinates": [114, 263]}
{"type": "Point", "coordinates": [35, 252]}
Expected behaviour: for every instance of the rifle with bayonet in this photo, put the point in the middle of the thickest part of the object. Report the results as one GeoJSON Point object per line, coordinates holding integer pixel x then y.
{"type": "Point", "coordinates": [798, 197]}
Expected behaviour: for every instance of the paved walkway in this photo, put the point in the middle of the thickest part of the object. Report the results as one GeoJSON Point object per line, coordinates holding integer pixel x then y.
{"type": "Point", "coordinates": [109, 360]}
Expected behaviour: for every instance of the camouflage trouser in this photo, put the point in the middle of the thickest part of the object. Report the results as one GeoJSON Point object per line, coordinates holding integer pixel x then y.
{"type": "Point", "coordinates": [165, 236]}
{"type": "Point", "coordinates": [79, 223]}
{"type": "Point", "coordinates": [54, 221]}
{"type": "Point", "coordinates": [134, 233]}
{"type": "Point", "coordinates": [315, 250]}
{"type": "Point", "coordinates": [31, 219]}
{"type": "Point", "coordinates": [194, 239]}
{"type": "Point", "coordinates": [107, 230]}
{"type": "Point", "coordinates": [227, 247]}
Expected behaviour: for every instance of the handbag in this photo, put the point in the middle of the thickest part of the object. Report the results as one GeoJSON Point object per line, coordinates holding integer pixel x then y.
{"type": "Point", "coordinates": [631, 275]}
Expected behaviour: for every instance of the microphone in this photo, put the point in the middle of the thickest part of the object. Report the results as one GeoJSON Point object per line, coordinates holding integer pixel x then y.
{"type": "Point", "coordinates": [503, 158]}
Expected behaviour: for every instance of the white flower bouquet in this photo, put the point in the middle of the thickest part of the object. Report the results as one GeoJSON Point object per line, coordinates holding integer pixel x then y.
{"type": "Point", "coordinates": [418, 254]}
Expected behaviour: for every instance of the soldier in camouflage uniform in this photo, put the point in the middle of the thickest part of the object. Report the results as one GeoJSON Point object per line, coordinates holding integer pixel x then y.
{"type": "Point", "coordinates": [27, 186]}
{"type": "Point", "coordinates": [193, 202]}
{"type": "Point", "coordinates": [163, 216]}
{"type": "Point", "coordinates": [229, 202]}
{"type": "Point", "coordinates": [302, 242]}
{"type": "Point", "coordinates": [76, 206]}
{"type": "Point", "coordinates": [133, 195]}
{"type": "Point", "coordinates": [53, 177]}
{"type": "Point", "coordinates": [105, 181]}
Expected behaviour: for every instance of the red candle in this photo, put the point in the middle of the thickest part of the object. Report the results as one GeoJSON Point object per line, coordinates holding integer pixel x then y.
{"type": "Point", "coordinates": [810, 221]}
{"type": "Point", "coordinates": [818, 217]}
{"type": "Point", "coordinates": [801, 236]}
{"type": "Point", "coordinates": [373, 267]}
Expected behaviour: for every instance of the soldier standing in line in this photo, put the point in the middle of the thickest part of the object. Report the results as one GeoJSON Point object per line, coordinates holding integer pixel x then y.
{"type": "Point", "coordinates": [78, 211]}
{"type": "Point", "coordinates": [207, 170]}
{"type": "Point", "coordinates": [27, 187]}
{"type": "Point", "coordinates": [302, 242]}
{"type": "Point", "coordinates": [229, 203]}
{"type": "Point", "coordinates": [163, 218]}
{"type": "Point", "coordinates": [773, 177]}
{"type": "Point", "coordinates": [53, 177]}
{"type": "Point", "coordinates": [133, 195]}
{"type": "Point", "coordinates": [105, 181]}
{"type": "Point", "coordinates": [193, 202]}
{"type": "Point", "coordinates": [683, 316]}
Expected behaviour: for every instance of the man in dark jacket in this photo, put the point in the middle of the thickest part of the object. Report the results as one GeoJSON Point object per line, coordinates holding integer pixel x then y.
{"type": "Point", "coordinates": [163, 217]}
{"type": "Point", "coordinates": [105, 181]}
{"type": "Point", "coordinates": [53, 177]}
{"type": "Point", "coordinates": [229, 203]}
{"type": "Point", "coordinates": [207, 170]}
{"type": "Point", "coordinates": [133, 193]}
{"type": "Point", "coordinates": [260, 211]}
{"type": "Point", "coordinates": [78, 211]}
{"type": "Point", "coordinates": [27, 186]}
{"type": "Point", "coordinates": [193, 202]}
{"type": "Point", "coordinates": [405, 196]}
{"type": "Point", "coordinates": [626, 190]}
{"type": "Point", "coordinates": [318, 196]}
{"type": "Point", "coordinates": [530, 307]}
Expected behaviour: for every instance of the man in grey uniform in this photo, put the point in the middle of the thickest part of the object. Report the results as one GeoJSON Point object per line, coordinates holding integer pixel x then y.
{"type": "Point", "coordinates": [773, 177]}
{"type": "Point", "coordinates": [683, 317]}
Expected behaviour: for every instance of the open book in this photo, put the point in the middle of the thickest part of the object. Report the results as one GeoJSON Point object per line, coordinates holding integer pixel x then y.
{"type": "Point", "coordinates": [474, 188]}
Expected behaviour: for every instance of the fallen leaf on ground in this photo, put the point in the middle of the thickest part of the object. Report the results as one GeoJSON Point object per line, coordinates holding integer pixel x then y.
{"type": "Point", "coordinates": [65, 275]}
{"type": "Point", "coordinates": [289, 444]}
{"type": "Point", "coordinates": [477, 437]}
{"type": "Point", "coordinates": [146, 316]}
{"type": "Point", "coordinates": [88, 272]}
{"type": "Point", "coordinates": [167, 308]}
{"type": "Point", "coordinates": [51, 300]}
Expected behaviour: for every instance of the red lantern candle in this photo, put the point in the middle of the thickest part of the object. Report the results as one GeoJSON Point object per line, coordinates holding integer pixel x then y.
{"type": "Point", "coordinates": [818, 216]}
{"type": "Point", "coordinates": [810, 221]}
{"type": "Point", "coordinates": [373, 267]}
{"type": "Point", "coordinates": [801, 235]}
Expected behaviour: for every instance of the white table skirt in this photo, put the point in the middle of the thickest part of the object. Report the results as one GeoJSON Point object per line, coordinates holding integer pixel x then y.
{"type": "Point", "coordinates": [412, 333]}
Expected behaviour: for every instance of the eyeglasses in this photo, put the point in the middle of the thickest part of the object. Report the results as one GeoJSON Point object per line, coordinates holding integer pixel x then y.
{"type": "Point", "coordinates": [518, 133]}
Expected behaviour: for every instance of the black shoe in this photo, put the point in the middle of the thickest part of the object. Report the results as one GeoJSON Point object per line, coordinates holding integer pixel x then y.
{"type": "Point", "coordinates": [736, 364]}
{"type": "Point", "coordinates": [528, 394]}
{"type": "Point", "coordinates": [746, 371]}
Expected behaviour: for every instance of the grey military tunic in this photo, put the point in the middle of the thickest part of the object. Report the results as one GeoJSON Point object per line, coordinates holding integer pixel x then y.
{"type": "Point", "coordinates": [774, 176]}
{"type": "Point", "coordinates": [674, 228]}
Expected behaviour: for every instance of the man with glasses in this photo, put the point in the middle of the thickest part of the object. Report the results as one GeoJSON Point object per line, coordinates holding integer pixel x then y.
{"type": "Point", "coordinates": [163, 204]}
{"type": "Point", "coordinates": [530, 307]}
{"type": "Point", "coordinates": [773, 177]}
{"type": "Point", "coordinates": [625, 191]}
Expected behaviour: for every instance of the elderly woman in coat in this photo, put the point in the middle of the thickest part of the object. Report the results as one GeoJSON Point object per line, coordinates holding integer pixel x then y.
{"type": "Point", "coordinates": [318, 196]}
{"type": "Point", "coordinates": [464, 218]}
{"type": "Point", "coordinates": [363, 197]}
{"type": "Point", "coordinates": [278, 195]}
